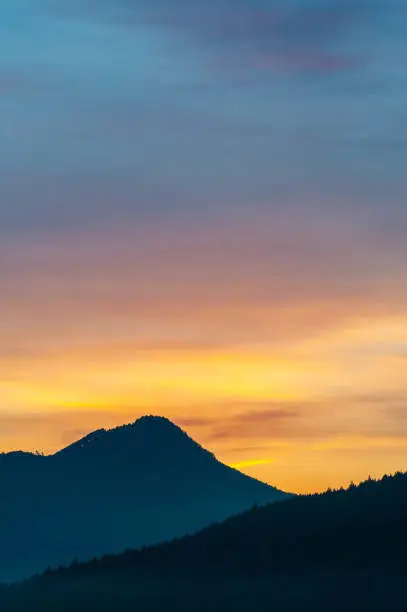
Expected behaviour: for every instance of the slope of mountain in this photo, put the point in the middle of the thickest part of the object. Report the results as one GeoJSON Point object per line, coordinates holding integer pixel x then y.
{"type": "Point", "coordinates": [342, 551]}
{"type": "Point", "coordinates": [112, 490]}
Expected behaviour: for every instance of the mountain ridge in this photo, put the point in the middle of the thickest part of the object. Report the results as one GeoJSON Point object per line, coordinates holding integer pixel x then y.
{"type": "Point", "coordinates": [98, 434]}
{"type": "Point", "coordinates": [130, 486]}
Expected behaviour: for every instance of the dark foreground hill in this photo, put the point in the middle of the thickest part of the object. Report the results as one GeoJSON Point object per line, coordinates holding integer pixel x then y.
{"type": "Point", "coordinates": [124, 488]}
{"type": "Point", "coordinates": [344, 550]}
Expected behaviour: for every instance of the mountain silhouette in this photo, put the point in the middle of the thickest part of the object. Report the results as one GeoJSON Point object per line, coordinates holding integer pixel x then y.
{"type": "Point", "coordinates": [337, 551]}
{"type": "Point", "coordinates": [149, 442]}
{"type": "Point", "coordinates": [127, 487]}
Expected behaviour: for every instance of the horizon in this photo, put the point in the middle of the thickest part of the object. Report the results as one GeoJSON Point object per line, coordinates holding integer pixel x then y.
{"type": "Point", "coordinates": [202, 214]}
{"type": "Point", "coordinates": [246, 467]}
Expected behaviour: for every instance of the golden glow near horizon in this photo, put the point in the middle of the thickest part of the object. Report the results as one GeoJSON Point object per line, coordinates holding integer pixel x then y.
{"type": "Point", "coordinates": [252, 463]}
{"type": "Point", "coordinates": [305, 390]}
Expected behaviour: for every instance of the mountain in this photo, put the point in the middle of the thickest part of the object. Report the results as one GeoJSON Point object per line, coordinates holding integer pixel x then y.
{"type": "Point", "coordinates": [135, 485]}
{"type": "Point", "coordinates": [337, 551]}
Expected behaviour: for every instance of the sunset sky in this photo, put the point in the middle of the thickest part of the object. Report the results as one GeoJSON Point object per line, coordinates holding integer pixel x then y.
{"type": "Point", "coordinates": [203, 215]}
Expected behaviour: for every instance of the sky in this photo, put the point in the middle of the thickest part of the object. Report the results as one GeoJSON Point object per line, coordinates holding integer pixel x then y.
{"type": "Point", "coordinates": [203, 216]}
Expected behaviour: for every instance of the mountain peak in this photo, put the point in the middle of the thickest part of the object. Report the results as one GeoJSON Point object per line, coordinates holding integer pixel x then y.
{"type": "Point", "coordinates": [154, 419]}
{"type": "Point", "coordinates": [149, 424]}
{"type": "Point", "coordinates": [149, 440]}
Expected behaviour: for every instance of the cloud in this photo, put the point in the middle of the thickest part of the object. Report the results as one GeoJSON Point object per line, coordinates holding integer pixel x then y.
{"type": "Point", "coordinates": [348, 418]}
{"type": "Point", "coordinates": [270, 423]}
{"type": "Point", "coordinates": [204, 116]}
{"type": "Point", "coordinates": [289, 36]}
{"type": "Point", "coordinates": [292, 63]}
{"type": "Point", "coordinates": [186, 291]}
